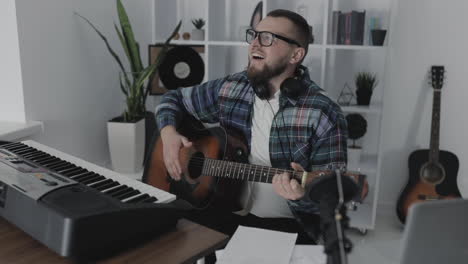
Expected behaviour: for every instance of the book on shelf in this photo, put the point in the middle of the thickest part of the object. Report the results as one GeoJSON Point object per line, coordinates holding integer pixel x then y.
{"type": "Point", "coordinates": [334, 31]}
{"type": "Point", "coordinates": [348, 28]}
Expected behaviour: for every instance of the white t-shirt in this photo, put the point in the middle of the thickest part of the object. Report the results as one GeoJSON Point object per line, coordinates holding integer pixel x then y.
{"type": "Point", "coordinates": [261, 198]}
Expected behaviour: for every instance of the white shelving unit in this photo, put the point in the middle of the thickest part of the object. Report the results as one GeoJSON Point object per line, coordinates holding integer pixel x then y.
{"type": "Point", "coordinates": [330, 65]}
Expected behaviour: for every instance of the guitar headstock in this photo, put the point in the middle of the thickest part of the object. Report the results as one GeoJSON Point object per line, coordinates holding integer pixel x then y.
{"type": "Point", "coordinates": [437, 76]}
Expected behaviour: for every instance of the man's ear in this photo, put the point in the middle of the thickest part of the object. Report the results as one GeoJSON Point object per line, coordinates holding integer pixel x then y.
{"type": "Point", "coordinates": [297, 55]}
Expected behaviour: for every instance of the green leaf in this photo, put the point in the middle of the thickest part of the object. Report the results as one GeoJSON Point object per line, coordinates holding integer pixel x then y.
{"type": "Point", "coordinates": [124, 45]}
{"type": "Point", "coordinates": [134, 58]}
{"type": "Point", "coordinates": [145, 74]}
{"type": "Point", "coordinates": [122, 86]}
{"type": "Point", "coordinates": [116, 57]}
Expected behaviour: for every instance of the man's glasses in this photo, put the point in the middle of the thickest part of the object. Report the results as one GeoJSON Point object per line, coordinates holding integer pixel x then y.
{"type": "Point", "coordinates": [266, 38]}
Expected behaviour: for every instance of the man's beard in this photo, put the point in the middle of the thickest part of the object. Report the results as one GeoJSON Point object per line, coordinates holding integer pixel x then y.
{"type": "Point", "coordinates": [266, 74]}
{"type": "Point", "coordinates": [263, 77]}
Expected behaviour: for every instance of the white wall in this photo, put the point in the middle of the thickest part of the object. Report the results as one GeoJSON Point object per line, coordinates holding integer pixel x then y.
{"type": "Point", "coordinates": [70, 79]}
{"type": "Point", "coordinates": [11, 89]}
{"type": "Point", "coordinates": [426, 32]}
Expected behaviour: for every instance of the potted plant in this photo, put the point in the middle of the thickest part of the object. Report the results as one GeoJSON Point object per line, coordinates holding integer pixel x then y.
{"type": "Point", "coordinates": [365, 83]}
{"type": "Point", "coordinates": [378, 36]}
{"type": "Point", "coordinates": [377, 33]}
{"type": "Point", "coordinates": [357, 128]}
{"type": "Point", "coordinates": [126, 133]}
{"type": "Point", "coordinates": [198, 33]}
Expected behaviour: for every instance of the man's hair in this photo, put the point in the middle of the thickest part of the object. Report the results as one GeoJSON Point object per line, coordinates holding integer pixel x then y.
{"type": "Point", "coordinates": [303, 32]}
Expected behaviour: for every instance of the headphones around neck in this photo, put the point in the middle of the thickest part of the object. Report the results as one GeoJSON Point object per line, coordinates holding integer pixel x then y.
{"type": "Point", "coordinates": [291, 87]}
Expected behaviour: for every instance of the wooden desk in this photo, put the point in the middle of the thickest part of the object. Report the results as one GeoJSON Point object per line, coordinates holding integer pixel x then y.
{"type": "Point", "coordinates": [189, 242]}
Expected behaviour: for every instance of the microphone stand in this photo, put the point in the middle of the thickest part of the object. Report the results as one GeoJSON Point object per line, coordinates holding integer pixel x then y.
{"type": "Point", "coordinates": [334, 221]}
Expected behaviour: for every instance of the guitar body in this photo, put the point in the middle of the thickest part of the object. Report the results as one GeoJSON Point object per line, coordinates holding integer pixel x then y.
{"type": "Point", "coordinates": [417, 190]}
{"type": "Point", "coordinates": [199, 190]}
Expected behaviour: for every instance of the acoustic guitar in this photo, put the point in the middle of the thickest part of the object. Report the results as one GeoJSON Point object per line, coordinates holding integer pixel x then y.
{"type": "Point", "coordinates": [215, 166]}
{"type": "Point", "coordinates": [432, 172]}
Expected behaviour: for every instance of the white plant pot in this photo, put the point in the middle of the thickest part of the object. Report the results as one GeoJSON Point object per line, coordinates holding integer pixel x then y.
{"type": "Point", "coordinates": [126, 145]}
{"type": "Point", "coordinates": [198, 34]}
{"type": "Point", "coordinates": [354, 158]}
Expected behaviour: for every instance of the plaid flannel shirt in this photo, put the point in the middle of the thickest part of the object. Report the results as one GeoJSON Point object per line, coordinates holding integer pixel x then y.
{"type": "Point", "coordinates": [312, 125]}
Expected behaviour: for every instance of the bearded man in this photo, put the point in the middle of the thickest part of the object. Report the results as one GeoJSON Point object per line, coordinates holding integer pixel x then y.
{"type": "Point", "coordinates": [286, 119]}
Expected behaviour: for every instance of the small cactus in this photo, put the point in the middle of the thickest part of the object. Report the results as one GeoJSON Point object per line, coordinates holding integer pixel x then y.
{"type": "Point", "coordinates": [198, 23]}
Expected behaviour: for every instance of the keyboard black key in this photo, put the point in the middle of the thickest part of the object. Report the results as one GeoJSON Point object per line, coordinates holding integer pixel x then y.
{"type": "Point", "coordinates": [122, 191]}
{"type": "Point", "coordinates": [72, 173]}
{"type": "Point", "coordinates": [59, 162]}
{"type": "Point", "coordinates": [11, 145]}
{"type": "Point", "coordinates": [82, 176]}
{"type": "Point", "coordinates": [66, 168]}
{"type": "Point", "coordinates": [41, 160]}
{"type": "Point", "coordinates": [58, 165]}
{"type": "Point", "coordinates": [72, 170]}
{"type": "Point", "coordinates": [105, 186]}
{"type": "Point", "coordinates": [25, 150]}
{"type": "Point", "coordinates": [49, 162]}
{"type": "Point", "coordinates": [16, 148]}
{"type": "Point", "coordinates": [149, 200]}
{"type": "Point", "coordinates": [138, 198]}
{"type": "Point", "coordinates": [87, 177]}
{"type": "Point", "coordinates": [36, 155]}
{"type": "Point", "coordinates": [127, 194]}
{"type": "Point", "coordinates": [32, 153]}
{"type": "Point", "coordinates": [115, 190]}
{"type": "Point", "coordinates": [97, 178]}
{"type": "Point", "coordinates": [101, 183]}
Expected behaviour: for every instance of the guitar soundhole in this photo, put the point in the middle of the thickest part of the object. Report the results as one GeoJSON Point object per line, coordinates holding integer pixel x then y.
{"type": "Point", "coordinates": [432, 173]}
{"type": "Point", "coordinates": [195, 165]}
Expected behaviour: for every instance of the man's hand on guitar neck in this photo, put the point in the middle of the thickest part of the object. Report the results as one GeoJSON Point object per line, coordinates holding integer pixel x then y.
{"type": "Point", "coordinates": [172, 143]}
{"type": "Point", "coordinates": [287, 187]}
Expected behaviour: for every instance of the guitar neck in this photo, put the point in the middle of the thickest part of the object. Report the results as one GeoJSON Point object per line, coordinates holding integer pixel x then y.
{"type": "Point", "coordinates": [435, 127]}
{"type": "Point", "coordinates": [241, 171]}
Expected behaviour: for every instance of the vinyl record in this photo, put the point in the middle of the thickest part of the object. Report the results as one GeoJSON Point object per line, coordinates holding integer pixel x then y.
{"type": "Point", "coordinates": [182, 67]}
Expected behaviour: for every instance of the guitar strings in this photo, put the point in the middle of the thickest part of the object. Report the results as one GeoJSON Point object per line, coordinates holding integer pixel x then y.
{"type": "Point", "coordinates": [258, 170]}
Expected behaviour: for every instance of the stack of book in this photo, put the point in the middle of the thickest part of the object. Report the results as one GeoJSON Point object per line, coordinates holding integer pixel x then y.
{"type": "Point", "coordinates": [348, 28]}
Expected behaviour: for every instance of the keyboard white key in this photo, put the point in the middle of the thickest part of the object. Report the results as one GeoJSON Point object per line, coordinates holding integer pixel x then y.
{"type": "Point", "coordinates": [161, 195]}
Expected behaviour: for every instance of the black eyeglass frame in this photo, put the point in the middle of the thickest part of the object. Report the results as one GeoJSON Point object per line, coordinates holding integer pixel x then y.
{"type": "Point", "coordinates": [257, 34]}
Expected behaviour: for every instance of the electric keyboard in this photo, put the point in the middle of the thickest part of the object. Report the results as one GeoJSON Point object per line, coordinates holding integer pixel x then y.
{"type": "Point", "coordinates": [76, 208]}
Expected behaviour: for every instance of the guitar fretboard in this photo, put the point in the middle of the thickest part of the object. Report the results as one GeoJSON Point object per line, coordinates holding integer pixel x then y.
{"type": "Point", "coordinates": [241, 171]}
{"type": "Point", "coordinates": [435, 127]}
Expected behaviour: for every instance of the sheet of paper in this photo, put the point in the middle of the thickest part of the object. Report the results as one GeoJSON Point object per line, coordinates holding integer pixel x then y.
{"type": "Point", "coordinates": [302, 254]}
{"type": "Point", "coordinates": [308, 254]}
{"type": "Point", "coordinates": [260, 246]}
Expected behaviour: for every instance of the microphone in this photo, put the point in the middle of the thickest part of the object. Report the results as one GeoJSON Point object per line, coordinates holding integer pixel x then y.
{"type": "Point", "coordinates": [326, 184]}
{"type": "Point", "coordinates": [331, 191]}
